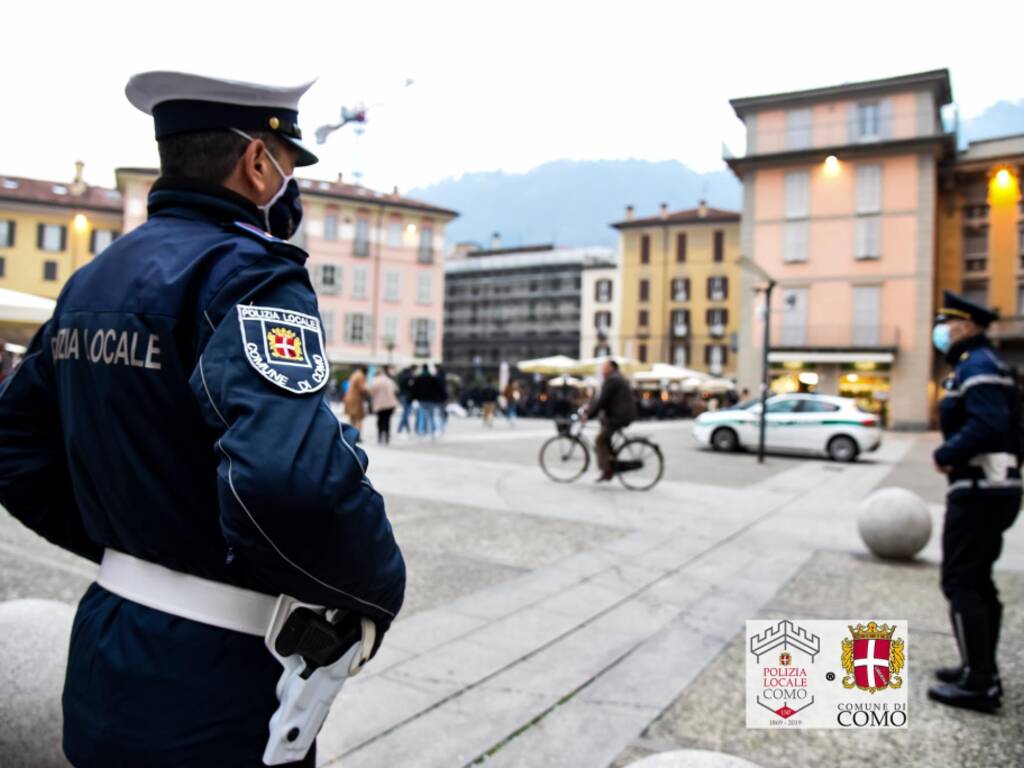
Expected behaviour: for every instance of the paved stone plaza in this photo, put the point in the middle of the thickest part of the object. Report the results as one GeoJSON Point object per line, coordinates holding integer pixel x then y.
{"type": "Point", "coordinates": [587, 625]}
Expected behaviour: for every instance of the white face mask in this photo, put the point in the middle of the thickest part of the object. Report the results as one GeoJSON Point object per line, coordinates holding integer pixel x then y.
{"type": "Point", "coordinates": [283, 212]}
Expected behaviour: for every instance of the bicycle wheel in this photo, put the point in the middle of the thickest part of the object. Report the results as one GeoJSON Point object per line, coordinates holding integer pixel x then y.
{"type": "Point", "coordinates": [564, 458]}
{"type": "Point", "coordinates": [638, 464]}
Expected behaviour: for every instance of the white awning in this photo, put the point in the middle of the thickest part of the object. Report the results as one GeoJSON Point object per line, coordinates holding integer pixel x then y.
{"type": "Point", "coordinates": [811, 356]}
{"type": "Point", "coordinates": [17, 307]}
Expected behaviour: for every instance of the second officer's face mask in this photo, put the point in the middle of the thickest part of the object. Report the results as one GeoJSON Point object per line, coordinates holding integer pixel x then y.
{"type": "Point", "coordinates": [283, 212]}
{"type": "Point", "coordinates": [941, 338]}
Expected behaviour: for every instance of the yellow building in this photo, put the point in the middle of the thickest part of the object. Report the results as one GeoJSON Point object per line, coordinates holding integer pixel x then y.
{"type": "Point", "coordinates": [980, 250]}
{"type": "Point", "coordinates": [679, 298]}
{"type": "Point", "coordinates": [49, 229]}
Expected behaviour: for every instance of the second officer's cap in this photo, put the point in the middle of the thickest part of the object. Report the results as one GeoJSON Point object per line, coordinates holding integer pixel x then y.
{"type": "Point", "coordinates": [182, 103]}
{"type": "Point", "coordinates": [956, 307]}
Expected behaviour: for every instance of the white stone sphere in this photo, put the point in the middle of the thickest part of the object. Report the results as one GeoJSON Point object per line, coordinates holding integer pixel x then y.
{"type": "Point", "coordinates": [34, 637]}
{"type": "Point", "coordinates": [692, 758]}
{"type": "Point", "coordinates": [894, 523]}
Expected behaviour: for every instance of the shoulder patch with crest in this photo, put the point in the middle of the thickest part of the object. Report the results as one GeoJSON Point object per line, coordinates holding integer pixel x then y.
{"type": "Point", "coordinates": [285, 347]}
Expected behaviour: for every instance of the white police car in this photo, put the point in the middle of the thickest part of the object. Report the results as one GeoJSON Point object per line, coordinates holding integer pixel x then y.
{"type": "Point", "coordinates": [798, 422]}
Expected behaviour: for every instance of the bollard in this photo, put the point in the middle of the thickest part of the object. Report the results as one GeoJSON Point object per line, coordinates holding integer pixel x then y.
{"type": "Point", "coordinates": [894, 523]}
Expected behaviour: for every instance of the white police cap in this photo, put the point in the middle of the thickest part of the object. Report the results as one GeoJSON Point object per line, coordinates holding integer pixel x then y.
{"type": "Point", "coordinates": [181, 103]}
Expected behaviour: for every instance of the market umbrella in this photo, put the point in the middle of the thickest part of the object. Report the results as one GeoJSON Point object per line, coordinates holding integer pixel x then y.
{"type": "Point", "coordinates": [665, 372]}
{"type": "Point", "coordinates": [591, 364]}
{"type": "Point", "coordinates": [17, 307]}
{"type": "Point", "coordinates": [565, 381]}
{"type": "Point", "coordinates": [553, 365]}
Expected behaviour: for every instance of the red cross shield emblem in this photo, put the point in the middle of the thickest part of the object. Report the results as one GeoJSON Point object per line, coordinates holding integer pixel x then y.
{"type": "Point", "coordinates": [284, 345]}
{"type": "Point", "coordinates": [873, 658]}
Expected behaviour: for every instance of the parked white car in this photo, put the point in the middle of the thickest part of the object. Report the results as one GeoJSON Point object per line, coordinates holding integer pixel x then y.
{"type": "Point", "coordinates": [835, 426]}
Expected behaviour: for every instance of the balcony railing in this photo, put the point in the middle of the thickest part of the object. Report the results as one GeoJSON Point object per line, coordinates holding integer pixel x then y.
{"type": "Point", "coordinates": [859, 336]}
{"type": "Point", "coordinates": [680, 330]}
{"type": "Point", "coordinates": [426, 255]}
{"type": "Point", "coordinates": [975, 263]}
{"type": "Point", "coordinates": [718, 331]}
{"type": "Point", "coordinates": [361, 247]}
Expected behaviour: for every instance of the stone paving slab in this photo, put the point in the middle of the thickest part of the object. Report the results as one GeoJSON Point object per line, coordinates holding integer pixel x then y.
{"type": "Point", "coordinates": [710, 713]}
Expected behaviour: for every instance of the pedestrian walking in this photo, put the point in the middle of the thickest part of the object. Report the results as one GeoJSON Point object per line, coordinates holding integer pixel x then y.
{"type": "Point", "coordinates": [512, 397]}
{"type": "Point", "coordinates": [489, 403]}
{"type": "Point", "coordinates": [441, 403]}
{"type": "Point", "coordinates": [168, 423]}
{"type": "Point", "coordinates": [405, 398]}
{"type": "Point", "coordinates": [355, 398]}
{"type": "Point", "coordinates": [980, 455]}
{"type": "Point", "coordinates": [383, 401]}
{"type": "Point", "coordinates": [424, 392]}
{"type": "Point", "coordinates": [617, 410]}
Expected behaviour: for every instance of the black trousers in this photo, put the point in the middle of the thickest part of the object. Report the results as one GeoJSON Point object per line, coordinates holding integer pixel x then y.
{"type": "Point", "coordinates": [384, 425]}
{"type": "Point", "coordinates": [972, 539]}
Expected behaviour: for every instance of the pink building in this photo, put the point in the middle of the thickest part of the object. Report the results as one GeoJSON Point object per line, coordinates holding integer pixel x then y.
{"type": "Point", "coordinates": [375, 260]}
{"type": "Point", "coordinates": [839, 209]}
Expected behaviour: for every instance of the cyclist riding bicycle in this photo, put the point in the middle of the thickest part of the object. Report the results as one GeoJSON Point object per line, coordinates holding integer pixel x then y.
{"type": "Point", "coordinates": [614, 404]}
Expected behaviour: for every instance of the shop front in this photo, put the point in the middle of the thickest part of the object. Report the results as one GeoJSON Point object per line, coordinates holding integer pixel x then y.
{"type": "Point", "coordinates": [865, 377]}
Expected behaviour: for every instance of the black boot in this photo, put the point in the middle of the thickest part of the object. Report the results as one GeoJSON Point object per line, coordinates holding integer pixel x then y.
{"type": "Point", "coordinates": [953, 674]}
{"type": "Point", "coordinates": [977, 686]}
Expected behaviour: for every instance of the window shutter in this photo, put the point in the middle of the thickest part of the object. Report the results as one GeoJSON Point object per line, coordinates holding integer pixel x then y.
{"type": "Point", "coordinates": [686, 317]}
{"type": "Point", "coordinates": [710, 281]}
{"type": "Point", "coordinates": [597, 290]}
{"type": "Point", "coordinates": [12, 227]}
{"type": "Point", "coordinates": [852, 129]}
{"type": "Point", "coordinates": [707, 354]}
{"type": "Point", "coordinates": [40, 228]}
{"type": "Point", "coordinates": [92, 242]}
{"type": "Point", "coordinates": [681, 247]}
{"type": "Point", "coordinates": [885, 118]}
{"type": "Point", "coordinates": [725, 287]}
{"type": "Point", "coordinates": [348, 327]}
{"type": "Point", "coordinates": [709, 317]}
{"type": "Point", "coordinates": [686, 287]}
{"type": "Point", "coordinates": [63, 238]}
{"type": "Point", "coordinates": [719, 245]}
{"type": "Point", "coordinates": [725, 355]}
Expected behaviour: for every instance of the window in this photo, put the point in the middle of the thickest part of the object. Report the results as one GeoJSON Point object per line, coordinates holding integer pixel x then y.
{"type": "Point", "coordinates": [718, 288]}
{"type": "Point", "coordinates": [392, 280]}
{"type": "Point", "coordinates": [49, 270]}
{"type": "Point", "coordinates": [327, 321]}
{"type": "Point", "coordinates": [7, 228]}
{"type": "Point", "coordinates": [785, 405]}
{"type": "Point", "coordinates": [426, 253]}
{"type": "Point", "coordinates": [975, 248]}
{"type": "Point", "coordinates": [358, 328]}
{"type": "Point", "coordinates": [715, 356]}
{"type": "Point", "coordinates": [816, 406]}
{"type": "Point", "coordinates": [328, 278]}
{"type": "Point", "coordinates": [331, 226]}
{"type": "Point", "coordinates": [424, 285]}
{"type": "Point", "coordinates": [395, 233]}
{"type": "Point", "coordinates": [867, 237]}
{"type": "Point", "coordinates": [680, 322]}
{"type": "Point", "coordinates": [794, 241]}
{"type": "Point", "coordinates": [680, 288]}
{"type": "Point", "coordinates": [641, 353]}
{"type": "Point", "coordinates": [680, 355]}
{"type": "Point", "coordinates": [976, 291]}
{"type": "Point", "coordinates": [719, 253]}
{"type": "Point", "coordinates": [645, 249]}
{"type": "Point", "coordinates": [641, 318]}
{"type": "Point", "coordinates": [359, 282]}
{"type": "Point", "coordinates": [796, 192]}
{"type": "Point", "coordinates": [717, 319]}
{"type": "Point", "coordinates": [868, 226]}
{"type": "Point", "coordinates": [422, 335]}
{"type": "Point", "coordinates": [390, 329]}
{"type": "Point", "coordinates": [602, 350]}
{"type": "Point", "coordinates": [867, 309]}
{"type": "Point", "coordinates": [555, 284]}
{"type": "Point", "coordinates": [798, 129]}
{"type": "Point", "coordinates": [680, 248]}
{"type": "Point", "coordinates": [361, 245]}
{"type": "Point", "coordinates": [645, 290]}
{"type": "Point", "coordinates": [869, 121]}
{"type": "Point", "coordinates": [794, 316]}
{"type": "Point", "coordinates": [603, 290]}
{"type": "Point", "coordinates": [100, 239]}
{"type": "Point", "coordinates": [603, 321]}
{"type": "Point", "coordinates": [51, 237]}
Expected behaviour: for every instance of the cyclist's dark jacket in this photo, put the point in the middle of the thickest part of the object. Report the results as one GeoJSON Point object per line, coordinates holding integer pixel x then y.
{"type": "Point", "coordinates": [140, 421]}
{"type": "Point", "coordinates": [615, 401]}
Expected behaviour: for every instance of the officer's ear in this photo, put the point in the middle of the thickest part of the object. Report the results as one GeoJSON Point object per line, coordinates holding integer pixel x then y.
{"type": "Point", "coordinates": [257, 171]}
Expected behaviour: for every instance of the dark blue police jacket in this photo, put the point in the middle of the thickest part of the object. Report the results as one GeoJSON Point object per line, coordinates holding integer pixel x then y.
{"type": "Point", "coordinates": [978, 415]}
{"type": "Point", "coordinates": [172, 409]}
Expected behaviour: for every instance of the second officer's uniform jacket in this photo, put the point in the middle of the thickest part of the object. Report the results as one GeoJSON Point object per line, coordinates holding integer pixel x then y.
{"type": "Point", "coordinates": [172, 409]}
{"type": "Point", "coordinates": [979, 418]}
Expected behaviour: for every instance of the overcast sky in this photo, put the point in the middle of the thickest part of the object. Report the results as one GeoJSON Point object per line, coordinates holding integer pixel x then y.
{"type": "Point", "coordinates": [497, 85]}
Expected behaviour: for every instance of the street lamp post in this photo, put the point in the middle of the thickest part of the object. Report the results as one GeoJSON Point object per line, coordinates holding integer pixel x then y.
{"type": "Point", "coordinates": [751, 265]}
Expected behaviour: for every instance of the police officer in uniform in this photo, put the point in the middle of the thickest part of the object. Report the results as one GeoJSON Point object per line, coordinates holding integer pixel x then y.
{"type": "Point", "coordinates": [169, 422]}
{"type": "Point", "coordinates": [979, 417]}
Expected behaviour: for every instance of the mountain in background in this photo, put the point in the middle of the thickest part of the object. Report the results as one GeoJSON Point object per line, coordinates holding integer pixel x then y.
{"type": "Point", "coordinates": [1004, 118]}
{"type": "Point", "coordinates": [572, 202]}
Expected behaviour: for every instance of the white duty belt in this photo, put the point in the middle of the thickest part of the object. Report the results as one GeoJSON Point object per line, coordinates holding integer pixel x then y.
{"type": "Point", "coordinates": [191, 597]}
{"type": "Point", "coordinates": [305, 690]}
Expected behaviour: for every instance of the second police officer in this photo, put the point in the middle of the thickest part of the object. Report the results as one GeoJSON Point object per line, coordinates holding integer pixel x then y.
{"type": "Point", "coordinates": [980, 422]}
{"type": "Point", "coordinates": [169, 421]}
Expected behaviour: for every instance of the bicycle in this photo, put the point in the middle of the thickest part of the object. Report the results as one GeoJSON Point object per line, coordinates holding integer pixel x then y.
{"type": "Point", "coordinates": [636, 461]}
